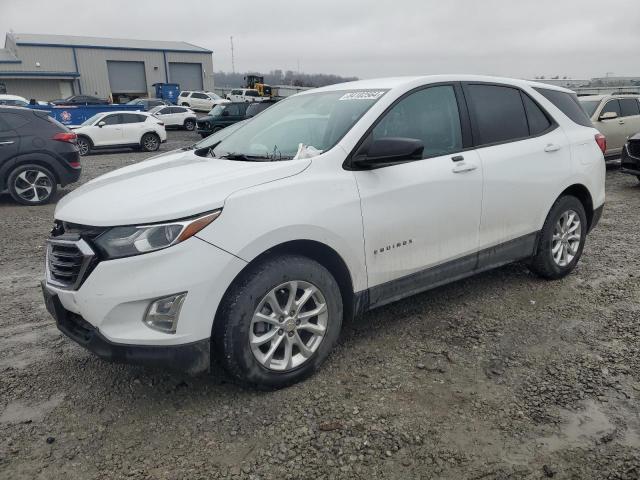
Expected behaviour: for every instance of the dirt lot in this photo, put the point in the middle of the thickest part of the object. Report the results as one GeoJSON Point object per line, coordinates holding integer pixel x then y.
{"type": "Point", "coordinates": [498, 376]}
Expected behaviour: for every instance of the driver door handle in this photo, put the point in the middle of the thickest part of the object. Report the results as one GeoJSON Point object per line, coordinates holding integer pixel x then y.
{"type": "Point", "coordinates": [552, 147]}
{"type": "Point", "coordinates": [464, 167]}
{"type": "Point", "coordinates": [7, 143]}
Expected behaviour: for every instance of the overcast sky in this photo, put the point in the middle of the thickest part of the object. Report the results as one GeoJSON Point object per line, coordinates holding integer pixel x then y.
{"type": "Point", "coordinates": [366, 38]}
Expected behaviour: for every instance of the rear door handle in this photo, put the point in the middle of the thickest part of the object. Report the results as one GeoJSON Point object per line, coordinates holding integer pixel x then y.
{"type": "Point", "coordinates": [464, 167]}
{"type": "Point", "coordinates": [621, 122]}
{"type": "Point", "coordinates": [7, 143]}
{"type": "Point", "coordinates": [552, 147]}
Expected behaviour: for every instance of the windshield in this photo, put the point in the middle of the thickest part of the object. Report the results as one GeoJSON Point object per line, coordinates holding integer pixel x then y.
{"type": "Point", "coordinates": [155, 110]}
{"type": "Point", "coordinates": [91, 120]}
{"type": "Point", "coordinates": [216, 137]}
{"type": "Point", "coordinates": [317, 120]}
{"type": "Point", "coordinates": [213, 96]}
{"type": "Point", "coordinates": [135, 102]}
{"type": "Point", "coordinates": [217, 110]}
{"type": "Point", "coordinates": [589, 106]}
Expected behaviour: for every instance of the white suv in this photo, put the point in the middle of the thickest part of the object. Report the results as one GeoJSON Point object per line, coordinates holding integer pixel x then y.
{"type": "Point", "coordinates": [120, 129]}
{"type": "Point", "coordinates": [203, 101]}
{"type": "Point", "coordinates": [245, 95]}
{"type": "Point", "coordinates": [177, 117]}
{"type": "Point", "coordinates": [254, 246]}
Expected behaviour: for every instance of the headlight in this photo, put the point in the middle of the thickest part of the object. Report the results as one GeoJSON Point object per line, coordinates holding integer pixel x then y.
{"type": "Point", "coordinates": [118, 242]}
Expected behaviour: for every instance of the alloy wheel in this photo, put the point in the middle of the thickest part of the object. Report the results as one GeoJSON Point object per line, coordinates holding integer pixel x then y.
{"type": "Point", "coordinates": [151, 143]}
{"type": "Point", "coordinates": [288, 325]}
{"type": "Point", "coordinates": [567, 235]}
{"type": "Point", "coordinates": [33, 186]}
{"type": "Point", "coordinates": [83, 146]}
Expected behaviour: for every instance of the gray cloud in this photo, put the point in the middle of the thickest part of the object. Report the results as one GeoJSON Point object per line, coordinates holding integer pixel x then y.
{"type": "Point", "coordinates": [367, 38]}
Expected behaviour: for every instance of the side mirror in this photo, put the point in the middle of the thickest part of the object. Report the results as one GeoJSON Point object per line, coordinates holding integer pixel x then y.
{"type": "Point", "coordinates": [608, 116]}
{"type": "Point", "coordinates": [388, 151]}
{"type": "Point", "coordinates": [102, 123]}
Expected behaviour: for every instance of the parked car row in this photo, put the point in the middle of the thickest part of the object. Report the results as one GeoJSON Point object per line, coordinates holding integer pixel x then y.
{"type": "Point", "coordinates": [221, 116]}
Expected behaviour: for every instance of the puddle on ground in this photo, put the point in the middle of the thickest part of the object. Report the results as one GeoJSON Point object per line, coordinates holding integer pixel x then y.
{"type": "Point", "coordinates": [586, 427]}
{"type": "Point", "coordinates": [17, 412]}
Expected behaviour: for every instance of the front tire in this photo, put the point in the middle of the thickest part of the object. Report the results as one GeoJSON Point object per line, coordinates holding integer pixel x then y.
{"type": "Point", "coordinates": [32, 184]}
{"type": "Point", "coordinates": [561, 239]}
{"type": "Point", "coordinates": [279, 322]}
{"type": "Point", "coordinates": [189, 124]}
{"type": "Point", "coordinates": [150, 142]}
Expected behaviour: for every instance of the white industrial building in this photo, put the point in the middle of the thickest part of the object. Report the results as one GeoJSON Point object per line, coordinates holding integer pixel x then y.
{"type": "Point", "coordinates": [48, 67]}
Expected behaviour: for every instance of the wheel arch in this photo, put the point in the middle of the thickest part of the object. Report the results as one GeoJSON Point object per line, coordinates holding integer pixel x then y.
{"type": "Point", "coordinates": [314, 250]}
{"type": "Point", "coordinates": [582, 193]}
{"type": "Point", "coordinates": [36, 158]}
{"type": "Point", "coordinates": [87, 137]}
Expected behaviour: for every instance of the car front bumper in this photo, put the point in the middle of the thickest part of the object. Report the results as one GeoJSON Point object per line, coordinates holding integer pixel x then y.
{"type": "Point", "coordinates": [106, 314]}
{"type": "Point", "coordinates": [629, 163]}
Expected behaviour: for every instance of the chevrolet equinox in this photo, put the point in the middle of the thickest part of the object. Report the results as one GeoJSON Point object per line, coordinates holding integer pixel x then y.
{"type": "Point", "coordinates": [255, 244]}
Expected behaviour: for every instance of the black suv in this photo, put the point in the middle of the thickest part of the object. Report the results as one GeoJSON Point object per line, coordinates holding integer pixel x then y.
{"type": "Point", "coordinates": [37, 153]}
{"type": "Point", "coordinates": [222, 116]}
{"type": "Point", "coordinates": [630, 158]}
{"type": "Point", "coordinates": [80, 100]}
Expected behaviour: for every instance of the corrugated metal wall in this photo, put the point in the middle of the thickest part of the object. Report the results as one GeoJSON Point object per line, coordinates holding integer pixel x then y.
{"type": "Point", "coordinates": [51, 59]}
{"type": "Point", "coordinates": [92, 67]}
{"type": "Point", "coordinates": [40, 89]}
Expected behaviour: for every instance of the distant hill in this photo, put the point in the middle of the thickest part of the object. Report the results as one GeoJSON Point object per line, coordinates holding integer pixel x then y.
{"type": "Point", "coordinates": [279, 77]}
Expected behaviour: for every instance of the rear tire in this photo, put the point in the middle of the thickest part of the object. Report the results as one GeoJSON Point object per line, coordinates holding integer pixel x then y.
{"type": "Point", "coordinates": [84, 146]}
{"type": "Point", "coordinates": [32, 184]}
{"type": "Point", "coordinates": [150, 142]}
{"type": "Point", "coordinates": [240, 323]}
{"type": "Point", "coordinates": [561, 239]}
{"type": "Point", "coordinates": [189, 124]}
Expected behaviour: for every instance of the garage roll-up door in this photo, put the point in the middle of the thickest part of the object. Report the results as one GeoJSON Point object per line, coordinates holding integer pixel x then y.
{"type": "Point", "coordinates": [187, 75]}
{"type": "Point", "coordinates": [126, 77]}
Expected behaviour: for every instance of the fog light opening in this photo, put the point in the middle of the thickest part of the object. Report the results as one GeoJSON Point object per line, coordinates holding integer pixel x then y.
{"type": "Point", "coordinates": [163, 313]}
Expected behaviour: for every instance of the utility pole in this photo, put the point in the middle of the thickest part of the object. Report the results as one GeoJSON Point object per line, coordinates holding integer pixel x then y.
{"type": "Point", "coordinates": [233, 63]}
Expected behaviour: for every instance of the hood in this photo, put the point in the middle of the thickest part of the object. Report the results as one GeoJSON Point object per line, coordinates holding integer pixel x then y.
{"type": "Point", "coordinates": [175, 185]}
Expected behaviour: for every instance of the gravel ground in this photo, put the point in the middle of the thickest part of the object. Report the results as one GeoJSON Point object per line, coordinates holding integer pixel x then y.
{"type": "Point", "coordinates": [498, 376]}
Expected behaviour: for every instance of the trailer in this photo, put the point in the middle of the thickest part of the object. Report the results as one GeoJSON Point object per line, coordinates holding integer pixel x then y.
{"type": "Point", "coordinates": [75, 115]}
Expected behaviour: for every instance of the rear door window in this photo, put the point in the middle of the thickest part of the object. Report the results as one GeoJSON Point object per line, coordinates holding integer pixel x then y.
{"type": "Point", "coordinates": [629, 107]}
{"type": "Point", "coordinates": [233, 110]}
{"type": "Point", "coordinates": [498, 112]}
{"type": "Point", "coordinates": [15, 120]}
{"type": "Point", "coordinates": [568, 104]}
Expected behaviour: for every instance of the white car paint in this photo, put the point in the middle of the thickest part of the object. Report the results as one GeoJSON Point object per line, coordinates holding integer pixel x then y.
{"type": "Point", "coordinates": [103, 133]}
{"type": "Point", "coordinates": [173, 116]}
{"type": "Point", "coordinates": [14, 100]}
{"type": "Point", "coordinates": [201, 101]}
{"type": "Point", "coordinates": [245, 95]}
{"type": "Point", "coordinates": [444, 210]}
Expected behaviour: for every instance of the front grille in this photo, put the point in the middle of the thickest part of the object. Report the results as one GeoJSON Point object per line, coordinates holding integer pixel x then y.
{"type": "Point", "coordinates": [68, 261]}
{"type": "Point", "coordinates": [633, 147]}
{"type": "Point", "coordinates": [204, 125]}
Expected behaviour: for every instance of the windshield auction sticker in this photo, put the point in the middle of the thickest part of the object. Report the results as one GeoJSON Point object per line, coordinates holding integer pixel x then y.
{"type": "Point", "coordinates": [362, 95]}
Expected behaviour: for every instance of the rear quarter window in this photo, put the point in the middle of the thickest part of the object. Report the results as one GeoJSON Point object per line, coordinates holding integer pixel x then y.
{"type": "Point", "coordinates": [568, 104]}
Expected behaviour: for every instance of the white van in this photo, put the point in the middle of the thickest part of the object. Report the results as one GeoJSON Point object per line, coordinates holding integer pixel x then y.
{"type": "Point", "coordinates": [254, 246]}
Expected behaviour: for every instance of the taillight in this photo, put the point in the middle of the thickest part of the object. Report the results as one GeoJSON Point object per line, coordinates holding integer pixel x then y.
{"type": "Point", "coordinates": [74, 164]}
{"type": "Point", "coordinates": [68, 137]}
{"type": "Point", "coordinates": [601, 140]}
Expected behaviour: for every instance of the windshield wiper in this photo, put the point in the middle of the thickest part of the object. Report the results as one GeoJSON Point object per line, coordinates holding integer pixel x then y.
{"type": "Point", "coordinates": [244, 157]}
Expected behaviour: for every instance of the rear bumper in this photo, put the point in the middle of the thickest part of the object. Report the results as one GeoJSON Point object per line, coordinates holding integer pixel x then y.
{"type": "Point", "coordinates": [192, 358]}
